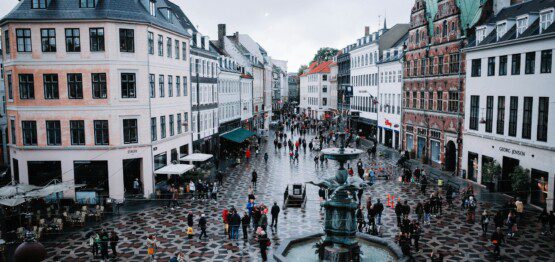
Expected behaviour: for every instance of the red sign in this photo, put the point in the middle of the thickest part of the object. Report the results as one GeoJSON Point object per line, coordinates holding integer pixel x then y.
{"type": "Point", "coordinates": [387, 123]}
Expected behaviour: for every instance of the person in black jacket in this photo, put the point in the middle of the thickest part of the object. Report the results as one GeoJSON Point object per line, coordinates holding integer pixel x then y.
{"type": "Point", "coordinates": [114, 239]}
{"type": "Point", "coordinates": [399, 212]}
{"type": "Point", "coordinates": [378, 209]}
{"type": "Point", "coordinates": [497, 238]}
{"type": "Point", "coordinates": [254, 178]}
{"type": "Point", "coordinates": [235, 222]}
{"type": "Point", "coordinates": [275, 213]}
{"type": "Point", "coordinates": [202, 226]}
{"type": "Point", "coordinates": [245, 222]}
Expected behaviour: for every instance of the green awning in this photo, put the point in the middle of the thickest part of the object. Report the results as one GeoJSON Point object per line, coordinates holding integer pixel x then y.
{"type": "Point", "coordinates": [238, 135]}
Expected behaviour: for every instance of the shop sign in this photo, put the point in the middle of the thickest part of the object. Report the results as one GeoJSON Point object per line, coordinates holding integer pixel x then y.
{"type": "Point", "coordinates": [512, 151]}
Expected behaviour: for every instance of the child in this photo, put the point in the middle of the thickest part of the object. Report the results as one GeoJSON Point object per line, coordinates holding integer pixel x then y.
{"type": "Point", "coordinates": [190, 233]}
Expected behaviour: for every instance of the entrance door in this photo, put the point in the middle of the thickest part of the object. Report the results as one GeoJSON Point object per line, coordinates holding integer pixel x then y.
{"type": "Point", "coordinates": [421, 147]}
{"type": "Point", "coordinates": [509, 165]}
{"type": "Point", "coordinates": [388, 138]}
{"type": "Point", "coordinates": [396, 140]}
{"type": "Point", "coordinates": [471, 167]}
{"type": "Point", "coordinates": [450, 156]}
{"type": "Point", "coordinates": [131, 171]}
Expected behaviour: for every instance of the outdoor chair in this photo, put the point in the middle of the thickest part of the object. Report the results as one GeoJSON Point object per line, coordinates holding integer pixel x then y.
{"type": "Point", "coordinates": [59, 224]}
{"type": "Point", "coordinates": [81, 219]}
{"type": "Point", "coordinates": [20, 233]}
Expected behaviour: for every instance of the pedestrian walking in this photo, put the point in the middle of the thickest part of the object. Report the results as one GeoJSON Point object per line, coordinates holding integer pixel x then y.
{"type": "Point", "coordinates": [263, 222]}
{"type": "Point", "coordinates": [497, 238]}
{"type": "Point", "coordinates": [245, 222]}
{"type": "Point", "coordinates": [254, 178]}
{"type": "Point", "coordinates": [263, 242]}
{"type": "Point", "coordinates": [104, 240]}
{"type": "Point", "coordinates": [378, 209]}
{"type": "Point", "coordinates": [275, 213]}
{"type": "Point", "coordinates": [114, 239]}
{"type": "Point", "coordinates": [202, 225]}
{"type": "Point", "coordinates": [94, 241]}
{"type": "Point", "coordinates": [485, 222]}
{"type": "Point", "coordinates": [235, 224]}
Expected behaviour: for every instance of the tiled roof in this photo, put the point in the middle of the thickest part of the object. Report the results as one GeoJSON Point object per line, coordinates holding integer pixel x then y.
{"type": "Point", "coordinates": [123, 10]}
{"type": "Point", "coordinates": [315, 68]}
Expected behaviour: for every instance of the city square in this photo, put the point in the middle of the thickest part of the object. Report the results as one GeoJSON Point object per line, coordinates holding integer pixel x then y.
{"type": "Point", "coordinates": [184, 130]}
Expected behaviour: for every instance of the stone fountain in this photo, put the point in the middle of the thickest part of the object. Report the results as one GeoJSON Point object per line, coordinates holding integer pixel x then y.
{"type": "Point", "coordinates": [340, 241]}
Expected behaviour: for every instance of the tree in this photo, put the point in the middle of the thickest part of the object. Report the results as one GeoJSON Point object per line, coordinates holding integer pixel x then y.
{"type": "Point", "coordinates": [324, 54]}
{"type": "Point", "coordinates": [520, 181]}
{"type": "Point", "coordinates": [302, 68]}
{"type": "Point", "coordinates": [490, 171]}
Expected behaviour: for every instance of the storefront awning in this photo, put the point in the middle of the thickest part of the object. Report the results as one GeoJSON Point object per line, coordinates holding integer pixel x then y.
{"type": "Point", "coordinates": [238, 135]}
{"type": "Point", "coordinates": [196, 157]}
{"type": "Point", "coordinates": [177, 169]}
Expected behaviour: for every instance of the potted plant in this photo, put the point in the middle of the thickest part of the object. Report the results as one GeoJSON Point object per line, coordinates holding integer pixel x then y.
{"type": "Point", "coordinates": [490, 173]}
{"type": "Point", "coordinates": [520, 182]}
{"type": "Point", "coordinates": [412, 154]}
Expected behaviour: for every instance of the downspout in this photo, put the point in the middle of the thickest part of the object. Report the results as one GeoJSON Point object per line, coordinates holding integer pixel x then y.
{"type": "Point", "coordinates": [150, 119]}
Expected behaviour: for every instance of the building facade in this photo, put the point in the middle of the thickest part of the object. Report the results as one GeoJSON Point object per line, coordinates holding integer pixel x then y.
{"type": "Point", "coordinates": [96, 100]}
{"type": "Point", "coordinates": [344, 87]}
{"type": "Point", "coordinates": [434, 80]}
{"type": "Point", "coordinates": [505, 122]}
{"type": "Point", "coordinates": [293, 88]}
{"type": "Point", "coordinates": [315, 90]}
{"type": "Point", "coordinates": [229, 94]}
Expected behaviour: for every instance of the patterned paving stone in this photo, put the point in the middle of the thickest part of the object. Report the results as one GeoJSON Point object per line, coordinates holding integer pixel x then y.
{"type": "Point", "coordinates": [460, 241]}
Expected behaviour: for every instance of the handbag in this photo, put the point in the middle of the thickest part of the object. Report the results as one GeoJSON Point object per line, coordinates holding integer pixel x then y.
{"type": "Point", "coordinates": [150, 251]}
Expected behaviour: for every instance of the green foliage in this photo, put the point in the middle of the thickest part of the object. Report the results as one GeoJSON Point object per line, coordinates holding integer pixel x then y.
{"type": "Point", "coordinates": [324, 54]}
{"type": "Point", "coordinates": [302, 68]}
{"type": "Point", "coordinates": [520, 180]}
{"type": "Point", "coordinates": [490, 170]}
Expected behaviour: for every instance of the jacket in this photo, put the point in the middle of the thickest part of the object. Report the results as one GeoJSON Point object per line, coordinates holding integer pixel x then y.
{"type": "Point", "coordinates": [275, 210]}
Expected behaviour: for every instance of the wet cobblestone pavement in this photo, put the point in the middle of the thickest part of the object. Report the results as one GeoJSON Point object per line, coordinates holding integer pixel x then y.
{"type": "Point", "coordinates": [458, 240]}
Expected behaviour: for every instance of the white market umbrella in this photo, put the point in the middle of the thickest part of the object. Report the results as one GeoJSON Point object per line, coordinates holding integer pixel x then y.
{"type": "Point", "coordinates": [11, 202]}
{"type": "Point", "coordinates": [52, 189]}
{"type": "Point", "coordinates": [15, 189]}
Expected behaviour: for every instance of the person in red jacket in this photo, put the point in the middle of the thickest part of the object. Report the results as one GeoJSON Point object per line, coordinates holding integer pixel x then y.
{"type": "Point", "coordinates": [248, 154]}
{"type": "Point", "coordinates": [225, 214]}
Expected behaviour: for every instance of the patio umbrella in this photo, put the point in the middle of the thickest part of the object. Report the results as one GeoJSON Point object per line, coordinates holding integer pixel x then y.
{"type": "Point", "coordinates": [52, 189]}
{"type": "Point", "coordinates": [12, 202]}
{"type": "Point", "coordinates": [15, 189]}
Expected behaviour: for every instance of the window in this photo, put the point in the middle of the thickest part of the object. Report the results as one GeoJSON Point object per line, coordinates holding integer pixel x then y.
{"type": "Point", "coordinates": [99, 86]}
{"type": "Point", "coordinates": [527, 118]}
{"type": "Point", "coordinates": [543, 116]}
{"type": "Point", "coordinates": [128, 85]}
{"type": "Point", "coordinates": [546, 19]}
{"type": "Point", "coordinates": [503, 65]}
{"type": "Point", "coordinates": [160, 45]}
{"type": "Point", "coordinates": [73, 40]}
{"type": "Point", "coordinates": [162, 127]}
{"type": "Point", "coordinates": [150, 42]}
{"type": "Point", "coordinates": [10, 85]}
{"type": "Point", "coordinates": [74, 86]}
{"type": "Point", "coordinates": [476, 67]}
{"type": "Point", "coordinates": [491, 66]}
{"type": "Point", "coordinates": [29, 129]}
{"type": "Point", "coordinates": [480, 35]}
{"type": "Point", "coordinates": [126, 40]}
{"type": "Point", "coordinates": [97, 39]}
{"type": "Point", "coordinates": [170, 86]}
{"type": "Point", "coordinates": [130, 131]}
{"type": "Point", "coordinates": [325, 89]}
{"type": "Point", "coordinates": [160, 160]}
{"type": "Point", "coordinates": [521, 25]}
{"type": "Point", "coordinates": [423, 67]}
{"type": "Point", "coordinates": [152, 7]}
{"type": "Point", "coordinates": [23, 37]}
{"type": "Point", "coordinates": [184, 51]}
{"type": "Point", "coordinates": [414, 99]}
{"type": "Point", "coordinates": [530, 63]}
{"type": "Point", "coordinates": [87, 3]}
{"type": "Point", "coordinates": [50, 82]}
{"type": "Point", "coordinates": [153, 129]}
{"type": "Point", "coordinates": [169, 46]}
{"type": "Point", "coordinates": [53, 133]}
{"type": "Point", "coordinates": [161, 85]}
{"type": "Point", "coordinates": [12, 131]}
{"type": "Point", "coordinates": [7, 41]}
{"type": "Point", "coordinates": [48, 40]}
{"type": "Point", "coordinates": [546, 61]}
{"type": "Point", "coordinates": [513, 114]}
{"type": "Point", "coordinates": [440, 65]}
{"type": "Point", "coordinates": [176, 49]}
{"type": "Point", "coordinates": [26, 86]}
{"type": "Point", "coordinates": [501, 30]}
{"type": "Point", "coordinates": [453, 101]}
{"type": "Point", "coordinates": [515, 64]}
{"type": "Point", "coordinates": [177, 86]}
{"type": "Point", "coordinates": [489, 114]}
{"type": "Point", "coordinates": [101, 132]}
{"type": "Point", "coordinates": [474, 112]}
{"type": "Point", "coordinates": [444, 28]}
{"type": "Point", "coordinates": [179, 124]}
{"type": "Point", "coordinates": [77, 130]}
{"type": "Point", "coordinates": [422, 101]}
{"type": "Point", "coordinates": [501, 115]}
{"type": "Point", "coordinates": [152, 84]}
{"type": "Point", "coordinates": [454, 63]}
{"type": "Point", "coordinates": [431, 100]}
{"type": "Point", "coordinates": [38, 4]}
{"type": "Point", "coordinates": [172, 126]}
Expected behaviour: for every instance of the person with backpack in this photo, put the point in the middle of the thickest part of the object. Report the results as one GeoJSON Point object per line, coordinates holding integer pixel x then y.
{"type": "Point", "coordinates": [497, 238]}
{"type": "Point", "coordinates": [485, 222]}
{"type": "Point", "coordinates": [263, 242]}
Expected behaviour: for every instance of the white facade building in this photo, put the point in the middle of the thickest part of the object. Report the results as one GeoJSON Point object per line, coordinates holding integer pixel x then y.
{"type": "Point", "coordinates": [510, 100]}
{"type": "Point", "coordinates": [315, 90]}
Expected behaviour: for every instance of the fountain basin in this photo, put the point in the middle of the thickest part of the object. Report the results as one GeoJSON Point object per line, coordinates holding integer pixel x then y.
{"type": "Point", "coordinates": [373, 248]}
{"type": "Point", "coordinates": [342, 154]}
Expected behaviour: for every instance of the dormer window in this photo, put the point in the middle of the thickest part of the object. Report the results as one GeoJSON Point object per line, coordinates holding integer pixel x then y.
{"type": "Point", "coordinates": [501, 30]}
{"type": "Point", "coordinates": [39, 4]}
{"type": "Point", "coordinates": [521, 25]}
{"type": "Point", "coordinates": [87, 3]}
{"type": "Point", "coordinates": [152, 8]}
{"type": "Point", "coordinates": [546, 19]}
{"type": "Point", "coordinates": [170, 16]}
{"type": "Point", "coordinates": [480, 35]}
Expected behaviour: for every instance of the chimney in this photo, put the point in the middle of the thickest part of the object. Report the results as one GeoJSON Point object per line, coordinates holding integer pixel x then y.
{"type": "Point", "coordinates": [221, 35]}
{"type": "Point", "coordinates": [499, 5]}
{"type": "Point", "coordinates": [366, 31]}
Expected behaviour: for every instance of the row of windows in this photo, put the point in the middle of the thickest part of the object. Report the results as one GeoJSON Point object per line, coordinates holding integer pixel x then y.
{"type": "Point", "coordinates": [228, 86]}
{"type": "Point", "coordinates": [390, 103]}
{"type": "Point", "coordinates": [365, 80]}
{"type": "Point", "coordinates": [208, 121]}
{"type": "Point", "coordinates": [229, 110]}
{"type": "Point", "coordinates": [364, 59]}
{"type": "Point", "coordinates": [313, 101]}
{"type": "Point", "coordinates": [175, 124]}
{"type": "Point", "coordinates": [204, 68]}
{"type": "Point", "coordinates": [439, 65]}
{"type": "Point", "coordinates": [162, 88]}
{"type": "Point", "coordinates": [314, 77]}
{"type": "Point", "coordinates": [76, 130]}
{"type": "Point", "coordinates": [96, 39]}
{"type": "Point", "coordinates": [314, 89]}
{"type": "Point", "coordinates": [546, 62]}
{"type": "Point", "coordinates": [424, 100]}
{"type": "Point", "coordinates": [527, 110]}
{"type": "Point", "coordinates": [204, 93]}
{"type": "Point", "coordinates": [364, 103]}
{"type": "Point", "coordinates": [41, 4]}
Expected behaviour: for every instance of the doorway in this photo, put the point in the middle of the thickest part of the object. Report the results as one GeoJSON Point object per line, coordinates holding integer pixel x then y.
{"type": "Point", "coordinates": [509, 165]}
{"type": "Point", "coordinates": [388, 138]}
{"type": "Point", "coordinates": [450, 156]}
{"type": "Point", "coordinates": [396, 140]}
{"type": "Point", "coordinates": [131, 171]}
{"type": "Point", "coordinates": [421, 147]}
{"type": "Point", "coordinates": [472, 166]}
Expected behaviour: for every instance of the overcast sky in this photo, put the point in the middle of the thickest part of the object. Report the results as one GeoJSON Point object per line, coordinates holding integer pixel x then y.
{"type": "Point", "coordinates": [291, 30]}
